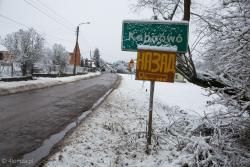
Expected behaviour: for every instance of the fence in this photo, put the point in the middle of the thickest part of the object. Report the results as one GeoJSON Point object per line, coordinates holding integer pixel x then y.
{"type": "Point", "coordinates": [8, 69]}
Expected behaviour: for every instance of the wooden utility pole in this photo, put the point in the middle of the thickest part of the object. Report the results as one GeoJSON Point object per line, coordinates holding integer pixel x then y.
{"type": "Point", "coordinates": [76, 49]}
{"type": "Point", "coordinates": [187, 4]}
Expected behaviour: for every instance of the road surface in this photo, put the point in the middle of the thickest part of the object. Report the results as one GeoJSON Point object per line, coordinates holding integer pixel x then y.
{"type": "Point", "coordinates": [28, 118]}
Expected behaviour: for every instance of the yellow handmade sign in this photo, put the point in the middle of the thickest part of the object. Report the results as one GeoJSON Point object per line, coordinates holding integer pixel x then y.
{"type": "Point", "coordinates": [155, 65]}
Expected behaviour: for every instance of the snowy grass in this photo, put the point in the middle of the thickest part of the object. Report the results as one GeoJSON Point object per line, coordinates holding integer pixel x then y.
{"type": "Point", "coordinates": [14, 87]}
{"type": "Point", "coordinates": [114, 134]}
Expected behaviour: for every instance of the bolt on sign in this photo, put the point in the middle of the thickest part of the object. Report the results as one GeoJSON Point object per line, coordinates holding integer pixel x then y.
{"type": "Point", "coordinates": [155, 33]}
{"type": "Point", "coordinates": [155, 65]}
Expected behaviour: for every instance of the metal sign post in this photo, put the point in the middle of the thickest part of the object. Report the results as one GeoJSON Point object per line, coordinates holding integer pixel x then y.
{"type": "Point", "coordinates": [154, 65]}
{"type": "Point", "coordinates": [150, 114]}
{"type": "Point", "coordinates": [156, 43]}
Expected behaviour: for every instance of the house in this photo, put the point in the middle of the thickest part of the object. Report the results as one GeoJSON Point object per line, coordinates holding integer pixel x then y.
{"type": "Point", "coordinates": [5, 56]}
{"type": "Point", "coordinates": [6, 66]}
{"type": "Point", "coordinates": [75, 56]}
{"type": "Point", "coordinates": [89, 63]}
{"type": "Point", "coordinates": [179, 78]}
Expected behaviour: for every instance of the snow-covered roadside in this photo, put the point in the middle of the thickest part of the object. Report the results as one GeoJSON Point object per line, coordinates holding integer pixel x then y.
{"type": "Point", "coordinates": [14, 87]}
{"type": "Point", "coordinates": [114, 134]}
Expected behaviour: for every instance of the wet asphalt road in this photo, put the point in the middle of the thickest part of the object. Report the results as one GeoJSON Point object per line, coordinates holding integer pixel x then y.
{"type": "Point", "coordinates": [28, 118]}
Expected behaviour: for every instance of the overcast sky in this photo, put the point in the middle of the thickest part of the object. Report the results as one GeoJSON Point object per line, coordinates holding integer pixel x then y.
{"type": "Point", "coordinates": [104, 32]}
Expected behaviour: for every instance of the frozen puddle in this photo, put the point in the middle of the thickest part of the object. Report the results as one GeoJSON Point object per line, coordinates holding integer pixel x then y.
{"type": "Point", "coordinates": [41, 152]}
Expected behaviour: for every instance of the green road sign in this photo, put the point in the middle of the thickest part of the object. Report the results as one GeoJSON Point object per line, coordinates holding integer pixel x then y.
{"type": "Point", "coordinates": [169, 34]}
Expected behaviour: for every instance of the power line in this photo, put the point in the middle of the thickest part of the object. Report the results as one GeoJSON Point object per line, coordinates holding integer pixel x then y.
{"type": "Point", "coordinates": [49, 8]}
{"type": "Point", "coordinates": [32, 5]}
{"type": "Point", "coordinates": [19, 23]}
{"type": "Point", "coordinates": [46, 6]}
{"type": "Point", "coordinates": [14, 21]}
{"type": "Point", "coordinates": [62, 39]}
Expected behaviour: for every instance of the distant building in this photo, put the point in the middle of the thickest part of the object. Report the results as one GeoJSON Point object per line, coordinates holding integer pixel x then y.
{"type": "Point", "coordinates": [179, 78]}
{"type": "Point", "coordinates": [6, 65]}
{"type": "Point", "coordinates": [88, 63]}
{"type": "Point", "coordinates": [5, 56]}
{"type": "Point", "coordinates": [71, 59]}
{"type": "Point", "coordinates": [75, 56]}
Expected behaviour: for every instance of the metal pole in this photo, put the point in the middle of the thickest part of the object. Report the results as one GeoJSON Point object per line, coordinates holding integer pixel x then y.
{"type": "Point", "coordinates": [77, 33]}
{"type": "Point", "coordinates": [150, 116]}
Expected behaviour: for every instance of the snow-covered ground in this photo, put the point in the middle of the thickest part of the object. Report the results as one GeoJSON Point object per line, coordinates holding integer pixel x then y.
{"type": "Point", "coordinates": [114, 134]}
{"type": "Point", "coordinates": [14, 87]}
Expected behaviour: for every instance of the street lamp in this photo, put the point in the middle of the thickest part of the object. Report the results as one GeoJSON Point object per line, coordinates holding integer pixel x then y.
{"type": "Point", "coordinates": [77, 34]}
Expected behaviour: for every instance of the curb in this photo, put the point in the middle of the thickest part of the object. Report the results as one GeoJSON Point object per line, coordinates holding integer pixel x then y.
{"type": "Point", "coordinates": [58, 145]}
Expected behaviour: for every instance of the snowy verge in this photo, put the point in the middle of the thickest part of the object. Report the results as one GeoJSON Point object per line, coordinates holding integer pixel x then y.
{"type": "Point", "coordinates": [20, 86]}
{"type": "Point", "coordinates": [46, 146]}
{"type": "Point", "coordinates": [115, 133]}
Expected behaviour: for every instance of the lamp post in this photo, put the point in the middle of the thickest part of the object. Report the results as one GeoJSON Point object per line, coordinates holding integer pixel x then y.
{"type": "Point", "coordinates": [77, 34]}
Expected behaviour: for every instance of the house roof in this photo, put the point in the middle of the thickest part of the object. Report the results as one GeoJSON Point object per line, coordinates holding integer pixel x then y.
{"type": "Point", "coordinates": [3, 48]}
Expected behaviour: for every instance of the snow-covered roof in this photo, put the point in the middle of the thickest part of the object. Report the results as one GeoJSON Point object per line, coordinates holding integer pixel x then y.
{"type": "Point", "coordinates": [158, 48]}
{"type": "Point", "coordinates": [3, 48]}
{"type": "Point", "coordinates": [158, 21]}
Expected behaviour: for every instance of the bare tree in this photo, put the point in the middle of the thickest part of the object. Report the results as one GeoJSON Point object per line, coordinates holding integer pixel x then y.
{"type": "Point", "coordinates": [225, 33]}
{"type": "Point", "coordinates": [59, 56]}
{"type": "Point", "coordinates": [96, 57]}
{"type": "Point", "coordinates": [26, 46]}
{"type": "Point", "coordinates": [167, 9]}
{"type": "Point", "coordinates": [46, 61]}
{"type": "Point", "coordinates": [227, 48]}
